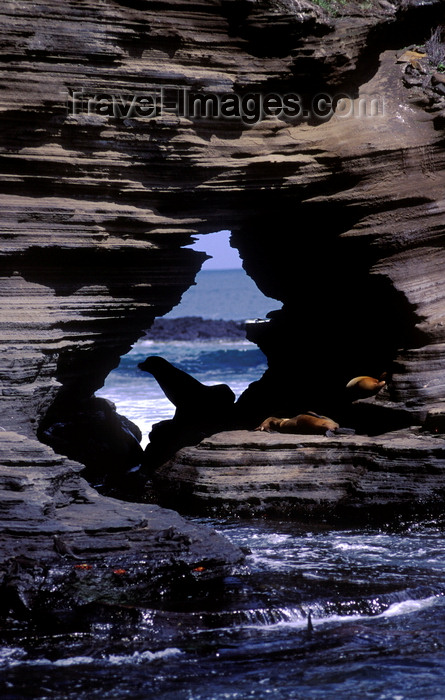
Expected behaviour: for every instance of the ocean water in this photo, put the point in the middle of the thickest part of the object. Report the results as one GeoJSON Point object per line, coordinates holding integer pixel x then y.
{"type": "Point", "coordinates": [377, 608]}
{"type": "Point", "coordinates": [218, 294]}
{"type": "Point", "coordinates": [316, 613]}
{"type": "Point", "coordinates": [226, 294]}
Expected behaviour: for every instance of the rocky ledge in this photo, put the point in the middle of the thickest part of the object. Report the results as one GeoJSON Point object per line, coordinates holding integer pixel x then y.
{"type": "Point", "coordinates": [357, 478]}
{"type": "Point", "coordinates": [66, 547]}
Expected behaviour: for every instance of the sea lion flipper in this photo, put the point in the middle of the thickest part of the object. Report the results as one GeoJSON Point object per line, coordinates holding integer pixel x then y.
{"type": "Point", "coordinates": [344, 431]}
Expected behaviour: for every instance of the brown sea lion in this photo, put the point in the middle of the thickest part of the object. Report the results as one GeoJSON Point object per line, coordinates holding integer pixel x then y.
{"type": "Point", "coordinates": [365, 386]}
{"type": "Point", "coordinates": [272, 424]}
{"type": "Point", "coordinates": [309, 423]}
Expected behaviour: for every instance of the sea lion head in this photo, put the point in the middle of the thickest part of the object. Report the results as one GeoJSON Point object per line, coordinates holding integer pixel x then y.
{"type": "Point", "coordinates": [153, 362]}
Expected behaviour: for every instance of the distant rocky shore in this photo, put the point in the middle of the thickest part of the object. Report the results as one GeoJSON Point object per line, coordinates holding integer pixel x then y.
{"type": "Point", "coordinates": [196, 328]}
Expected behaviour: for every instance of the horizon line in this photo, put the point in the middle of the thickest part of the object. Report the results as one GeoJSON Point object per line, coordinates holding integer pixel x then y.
{"type": "Point", "coordinates": [220, 269]}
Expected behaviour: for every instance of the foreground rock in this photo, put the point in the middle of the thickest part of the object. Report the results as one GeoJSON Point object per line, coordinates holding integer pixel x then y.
{"type": "Point", "coordinates": [62, 545]}
{"type": "Point", "coordinates": [93, 433]}
{"type": "Point", "coordinates": [257, 474]}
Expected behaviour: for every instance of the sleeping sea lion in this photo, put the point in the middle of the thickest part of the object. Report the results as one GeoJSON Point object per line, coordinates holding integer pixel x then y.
{"type": "Point", "coordinates": [271, 424]}
{"type": "Point", "coordinates": [309, 423]}
{"type": "Point", "coordinates": [365, 386]}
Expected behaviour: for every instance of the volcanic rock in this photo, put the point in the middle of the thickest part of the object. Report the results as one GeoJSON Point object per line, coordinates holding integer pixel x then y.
{"type": "Point", "coordinates": [356, 478]}
{"type": "Point", "coordinates": [338, 214]}
{"type": "Point", "coordinates": [62, 544]}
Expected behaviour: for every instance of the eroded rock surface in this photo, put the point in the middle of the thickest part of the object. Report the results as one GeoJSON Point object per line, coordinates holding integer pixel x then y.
{"type": "Point", "coordinates": [96, 208]}
{"type": "Point", "coordinates": [339, 219]}
{"type": "Point", "coordinates": [308, 476]}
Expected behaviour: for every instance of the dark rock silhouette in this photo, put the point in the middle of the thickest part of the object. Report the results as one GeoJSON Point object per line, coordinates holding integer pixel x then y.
{"type": "Point", "coordinates": [200, 411]}
{"type": "Point", "coordinates": [93, 433]}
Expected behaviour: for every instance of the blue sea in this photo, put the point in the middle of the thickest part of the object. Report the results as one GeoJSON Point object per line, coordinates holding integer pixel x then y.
{"type": "Point", "coordinates": [217, 294]}
{"type": "Point", "coordinates": [375, 595]}
{"type": "Point", "coordinates": [226, 294]}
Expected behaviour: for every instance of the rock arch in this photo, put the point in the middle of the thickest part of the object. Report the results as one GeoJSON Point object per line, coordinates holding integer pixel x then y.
{"type": "Point", "coordinates": [97, 209]}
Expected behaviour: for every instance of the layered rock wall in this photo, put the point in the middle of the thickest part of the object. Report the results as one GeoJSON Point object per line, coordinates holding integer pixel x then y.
{"type": "Point", "coordinates": [340, 219]}
{"type": "Point", "coordinates": [97, 207]}
{"type": "Point", "coordinates": [354, 479]}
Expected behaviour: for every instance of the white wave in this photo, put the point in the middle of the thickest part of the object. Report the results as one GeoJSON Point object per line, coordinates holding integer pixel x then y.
{"type": "Point", "coordinates": [71, 661]}
{"type": "Point", "coordinates": [405, 607]}
{"type": "Point", "coordinates": [346, 547]}
{"type": "Point", "coordinates": [142, 657]}
{"type": "Point", "coordinates": [195, 345]}
{"type": "Point", "coordinates": [9, 655]}
{"type": "Point", "coordinates": [296, 618]}
{"type": "Point", "coordinates": [270, 561]}
{"type": "Point", "coordinates": [16, 657]}
{"type": "Point", "coordinates": [409, 606]}
{"type": "Point", "coordinates": [277, 538]}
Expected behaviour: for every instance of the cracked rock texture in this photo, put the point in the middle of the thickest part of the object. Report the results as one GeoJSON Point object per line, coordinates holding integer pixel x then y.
{"type": "Point", "coordinates": [339, 219]}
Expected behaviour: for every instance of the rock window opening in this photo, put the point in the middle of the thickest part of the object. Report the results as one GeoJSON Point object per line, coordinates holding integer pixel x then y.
{"type": "Point", "coordinates": [204, 335]}
{"type": "Point", "coordinates": [336, 322]}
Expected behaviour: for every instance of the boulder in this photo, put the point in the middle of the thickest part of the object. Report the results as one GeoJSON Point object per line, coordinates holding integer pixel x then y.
{"type": "Point", "coordinates": [63, 546]}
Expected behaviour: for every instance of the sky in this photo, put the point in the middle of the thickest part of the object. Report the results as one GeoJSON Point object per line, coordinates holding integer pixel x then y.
{"type": "Point", "coordinates": [217, 244]}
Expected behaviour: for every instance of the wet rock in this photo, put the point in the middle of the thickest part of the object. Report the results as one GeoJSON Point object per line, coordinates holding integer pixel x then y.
{"type": "Point", "coordinates": [435, 419]}
{"type": "Point", "coordinates": [63, 545]}
{"type": "Point", "coordinates": [412, 80]}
